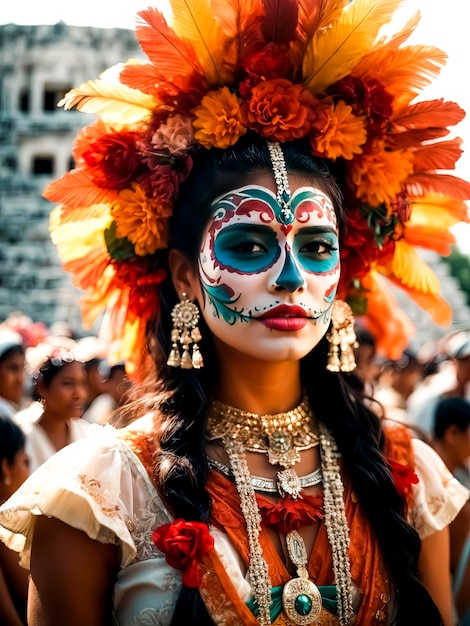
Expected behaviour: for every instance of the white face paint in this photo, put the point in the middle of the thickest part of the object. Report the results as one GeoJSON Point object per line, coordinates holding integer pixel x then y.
{"type": "Point", "coordinates": [268, 281]}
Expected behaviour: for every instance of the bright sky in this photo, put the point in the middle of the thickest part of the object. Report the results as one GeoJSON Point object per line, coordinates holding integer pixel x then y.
{"type": "Point", "coordinates": [443, 24]}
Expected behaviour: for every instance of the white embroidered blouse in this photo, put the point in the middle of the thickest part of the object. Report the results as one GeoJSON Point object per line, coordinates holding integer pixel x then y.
{"type": "Point", "coordinates": [100, 486]}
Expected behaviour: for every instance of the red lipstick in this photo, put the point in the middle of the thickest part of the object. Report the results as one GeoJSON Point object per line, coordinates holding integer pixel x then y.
{"type": "Point", "coordinates": [285, 318]}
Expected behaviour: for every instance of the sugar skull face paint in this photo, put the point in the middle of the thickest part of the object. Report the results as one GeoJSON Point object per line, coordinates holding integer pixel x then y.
{"type": "Point", "coordinates": [268, 281]}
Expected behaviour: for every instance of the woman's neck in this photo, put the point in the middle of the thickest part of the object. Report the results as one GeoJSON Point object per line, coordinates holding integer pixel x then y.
{"type": "Point", "coordinates": [56, 429]}
{"type": "Point", "coordinates": [259, 386]}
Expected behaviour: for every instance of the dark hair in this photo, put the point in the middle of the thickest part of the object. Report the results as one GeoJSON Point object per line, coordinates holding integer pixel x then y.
{"type": "Point", "coordinates": [12, 440]}
{"type": "Point", "coordinates": [181, 468]}
{"type": "Point", "coordinates": [49, 370]}
{"type": "Point", "coordinates": [450, 412]}
{"type": "Point", "coordinates": [19, 349]}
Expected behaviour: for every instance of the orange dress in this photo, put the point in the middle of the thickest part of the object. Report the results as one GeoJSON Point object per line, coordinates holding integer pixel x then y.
{"type": "Point", "coordinates": [368, 572]}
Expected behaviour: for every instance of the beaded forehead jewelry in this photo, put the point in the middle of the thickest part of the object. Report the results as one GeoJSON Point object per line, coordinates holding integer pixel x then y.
{"type": "Point", "coordinates": [282, 182]}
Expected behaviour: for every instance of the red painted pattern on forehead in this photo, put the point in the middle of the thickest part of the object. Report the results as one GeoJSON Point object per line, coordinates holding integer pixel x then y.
{"type": "Point", "coordinates": [320, 205]}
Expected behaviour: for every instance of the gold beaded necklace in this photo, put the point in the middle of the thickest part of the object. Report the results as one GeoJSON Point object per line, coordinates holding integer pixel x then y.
{"type": "Point", "coordinates": [240, 431]}
{"type": "Point", "coordinates": [281, 436]}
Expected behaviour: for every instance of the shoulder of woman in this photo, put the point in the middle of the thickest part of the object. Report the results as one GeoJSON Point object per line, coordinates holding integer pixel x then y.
{"type": "Point", "coordinates": [97, 485]}
{"type": "Point", "coordinates": [438, 495]}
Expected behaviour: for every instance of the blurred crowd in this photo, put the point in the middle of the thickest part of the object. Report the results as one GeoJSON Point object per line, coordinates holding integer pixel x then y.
{"type": "Point", "coordinates": [55, 385]}
{"type": "Point", "coordinates": [429, 392]}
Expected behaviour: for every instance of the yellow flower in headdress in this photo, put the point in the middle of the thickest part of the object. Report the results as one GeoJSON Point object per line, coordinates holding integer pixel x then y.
{"type": "Point", "coordinates": [380, 174]}
{"type": "Point", "coordinates": [218, 119]}
{"type": "Point", "coordinates": [139, 219]}
{"type": "Point", "coordinates": [344, 134]}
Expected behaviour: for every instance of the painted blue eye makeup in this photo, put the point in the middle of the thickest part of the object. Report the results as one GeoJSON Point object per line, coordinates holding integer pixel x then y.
{"type": "Point", "coordinates": [316, 250]}
{"type": "Point", "coordinates": [246, 248]}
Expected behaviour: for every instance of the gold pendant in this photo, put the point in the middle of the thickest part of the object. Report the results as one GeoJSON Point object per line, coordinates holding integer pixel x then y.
{"type": "Point", "coordinates": [301, 599]}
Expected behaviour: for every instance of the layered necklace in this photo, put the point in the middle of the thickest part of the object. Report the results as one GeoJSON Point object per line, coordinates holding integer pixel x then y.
{"type": "Point", "coordinates": [282, 437]}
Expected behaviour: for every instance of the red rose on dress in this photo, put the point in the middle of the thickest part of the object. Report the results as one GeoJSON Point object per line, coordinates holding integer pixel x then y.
{"type": "Point", "coordinates": [184, 544]}
{"type": "Point", "coordinates": [403, 477]}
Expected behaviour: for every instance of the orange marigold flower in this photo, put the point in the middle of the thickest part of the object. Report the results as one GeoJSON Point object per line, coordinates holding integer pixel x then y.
{"type": "Point", "coordinates": [344, 134]}
{"type": "Point", "coordinates": [279, 110]}
{"type": "Point", "coordinates": [218, 119]}
{"type": "Point", "coordinates": [380, 174]}
{"type": "Point", "coordinates": [141, 220]}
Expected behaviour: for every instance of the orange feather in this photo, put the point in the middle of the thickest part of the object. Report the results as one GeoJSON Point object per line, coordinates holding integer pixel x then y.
{"type": "Point", "coordinates": [430, 237]}
{"type": "Point", "coordinates": [76, 189]}
{"type": "Point", "coordinates": [314, 15]}
{"type": "Point", "coordinates": [387, 322]}
{"type": "Point", "coordinates": [405, 72]}
{"type": "Point", "coordinates": [420, 184]}
{"type": "Point", "coordinates": [431, 113]}
{"type": "Point", "coordinates": [411, 138]}
{"type": "Point", "coordinates": [441, 155]}
{"type": "Point", "coordinates": [434, 304]}
{"type": "Point", "coordinates": [170, 54]}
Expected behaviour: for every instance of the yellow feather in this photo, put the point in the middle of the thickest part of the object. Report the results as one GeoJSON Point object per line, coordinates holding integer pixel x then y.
{"type": "Point", "coordinates": [194, 20]}
{"type": "Point", "coordinates": [111, 100]}
{"type": "Point", "coordinates": [438, 209]}
{"type": "Point", "coordinates": [411, 271]}
{"type": "Point", "coordinates": [333, 53]}
{"type": "Point", "coordinates": [75, 242]}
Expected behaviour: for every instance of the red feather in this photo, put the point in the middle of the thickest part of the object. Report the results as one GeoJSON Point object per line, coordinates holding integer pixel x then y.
{"type": "Point", "coordinates": [280, 20]}
{"type": "Point", "coordinates": [419, 184]}
{"type": "Point", "coordinates": [437, 156]}
{"type": "Point", "coordinates": [412, 138]}
{"type": "Point", "coordinates": [171, 55]}
{"type": "Point", "coordinates": [432, 113]}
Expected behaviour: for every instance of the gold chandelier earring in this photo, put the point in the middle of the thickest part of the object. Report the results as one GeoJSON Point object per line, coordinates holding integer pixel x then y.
{"type": "Point", "coordinates": [342, 339]}
{"type": "Point", "coordinates": [185, 331]}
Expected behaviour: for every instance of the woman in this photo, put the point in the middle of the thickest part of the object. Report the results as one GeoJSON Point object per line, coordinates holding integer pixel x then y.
{"type": "Point", "coordinates": [255, 486]}
{"type": "Point", "coordinates": [14, 469]}
{"type": "Point", "coordinates": [12, 374]}
{"type": "Point", "coordinates": [60, 386]}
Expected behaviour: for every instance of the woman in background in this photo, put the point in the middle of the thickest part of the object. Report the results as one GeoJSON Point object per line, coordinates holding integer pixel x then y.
{"type": "Point", "coordinates": [14, 469]}
{"type": "Point", "coordinates": [60, 386]}
{"type": "Point", "coordinates": [12, 372]}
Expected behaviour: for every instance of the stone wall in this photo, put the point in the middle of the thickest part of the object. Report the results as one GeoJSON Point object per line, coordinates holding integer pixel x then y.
{"type": "Point", "coordinates": [38, 64]}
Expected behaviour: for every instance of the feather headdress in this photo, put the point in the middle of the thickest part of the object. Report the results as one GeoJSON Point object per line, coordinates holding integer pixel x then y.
{"type": "Point", "coordinates": [214, 69]}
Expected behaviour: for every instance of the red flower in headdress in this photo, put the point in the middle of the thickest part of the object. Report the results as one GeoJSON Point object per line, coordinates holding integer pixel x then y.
{"type": "Point", "coordinates": [270, 62]}
{"type": "Point", "coordinates": [279, 110]}
{"type": "Point", "coordinates": [113, 159]}
{"type": "Point", "coordinates": [367, 98]}
{"type": "Point", "coordinates": [136, 276]}
{"type": "Point", "coordinates": [184, 544]}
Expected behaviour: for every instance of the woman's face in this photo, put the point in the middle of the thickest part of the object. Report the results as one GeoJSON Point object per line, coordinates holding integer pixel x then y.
{"type": "Point", "coordinates": [66, 394]}
{"type": "Point", "coordinates": [17, 471]}
{"type": "Point", "coordinates": [268, 278]}
{"type": "Point", "coordinates": [12, 377]}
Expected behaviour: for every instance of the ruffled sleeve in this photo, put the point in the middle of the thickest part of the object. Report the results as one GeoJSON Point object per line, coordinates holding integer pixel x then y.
{"type": "Point", "coordinates": [438, 496]}
{"type": "Point", "coordinates": [96, 485]}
